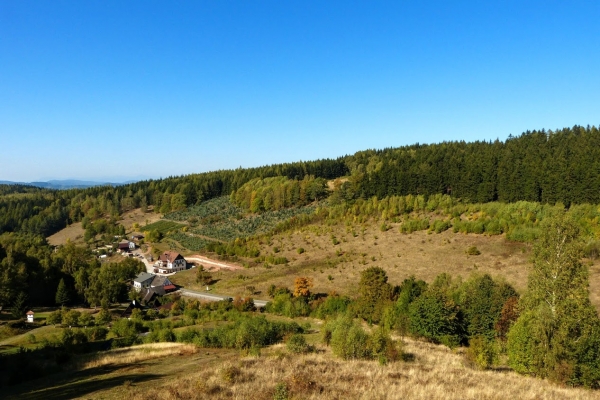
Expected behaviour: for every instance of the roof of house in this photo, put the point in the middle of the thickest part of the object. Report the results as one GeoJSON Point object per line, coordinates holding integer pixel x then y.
{"type": "Point", "coordinates": [30, 312]}
{"type": "Point", "coordinates": [170, 256]}
{"type": "Point", "coordinates": [137, 236]}
{"type": "Point", "coordinates": [124, 245]}
{"type": "Point", "coordinates": [160, 280]}
{"type": "Point", "coordinates": [143, 277]}
{"type": "Point", "coordinates": [169, 287]}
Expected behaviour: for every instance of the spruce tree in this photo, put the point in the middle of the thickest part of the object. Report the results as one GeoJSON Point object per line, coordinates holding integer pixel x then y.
{"type": "Point", "coordinates": [62, 293]}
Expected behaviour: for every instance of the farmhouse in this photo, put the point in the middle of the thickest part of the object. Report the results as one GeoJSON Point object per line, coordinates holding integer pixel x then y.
{"type": "Point", "coordinates": [143, 281]}
{"type": "Point", "coordinates": [125, 246]}
{"type": "Point", "coordinates": [170, 261]}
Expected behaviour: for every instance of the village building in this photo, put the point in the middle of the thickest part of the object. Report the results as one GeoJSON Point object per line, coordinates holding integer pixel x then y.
{"type": "Point", "coordinates": [160, 281]}
{"type": "Point", "coordinates": [143, 281]}
{"type": "Point", "coordinates": [170, 261]}
{"type": "Point", "coordinates": [30, 315]}
{"type": "Point", "coordinates": [126, 246]}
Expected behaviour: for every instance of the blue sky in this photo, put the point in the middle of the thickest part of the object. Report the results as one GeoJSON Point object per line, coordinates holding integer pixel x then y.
{"type": "Point", "coordinates": [116, 90]}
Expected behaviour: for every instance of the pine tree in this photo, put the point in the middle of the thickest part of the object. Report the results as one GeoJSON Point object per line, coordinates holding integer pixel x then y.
{"type": "Point", "coordinates": [19, 305]}
{"type": "Point", "coordinates": [62, 293]}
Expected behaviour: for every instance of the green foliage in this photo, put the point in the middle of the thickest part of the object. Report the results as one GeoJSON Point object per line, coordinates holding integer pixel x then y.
{"type": "Point", "coordinates": [126, 328]}
{"type": "Point", "coordinates": [103, 317]}
{"type": "Point", "coordinates": [19, 306]}
{"type": "Point", "coordinates": [219, 219]}
{"type": "Point", "coordinates": [558, 334]}
{"type": "Point", "coordinates": [438, 318]}
{"type": "Point", "coordinates": [374, 293]}
{"type": "Point", "coordinates": [411, 225]}
{"type": "Point", "coordinates": [161, 227]}
{"type": "Point", "coordinates": [297, 344]}
{"type": "Point", "coordinates": [85, 319]}
{"type": "Point", "coordinates": [481, 300]}
{"type": "Point", "coordinates": [289, 306]}
{"type": "Point", "coordinates": [330, 306]}
{"type": "Point", "coordinates": [62, 293]}
{"type": "Point", "coordinates": [348, 339]}
{"type": "Point", "coordinates": [245, 333]}
{"type": "Point", "coordinates": [473, 251]}
{"type": "Point", "coordinates": [70, 318]}
{"type": "Point", "coordinates": [276, 193]}
{"type": "Point", "coordinates": [482, 352]}
{"type": "Point", "coordinates": [69, 338]}
{"type": "Point", "coordinates": [54, 318]}
{"type": "Point", "coordinates": [281, 392]}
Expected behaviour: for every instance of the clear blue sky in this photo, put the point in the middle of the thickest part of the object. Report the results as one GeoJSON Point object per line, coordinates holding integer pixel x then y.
{"type": "Point", "coordinates": [117, 89]}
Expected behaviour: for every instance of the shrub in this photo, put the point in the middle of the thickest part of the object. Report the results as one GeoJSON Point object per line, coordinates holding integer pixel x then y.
{"type": "Point", "coordinates": [54, 318]}
{"type": "Point", "coordinates": [383, 347]}
{"type": "Point", "coordinates": [70, 318]}
{"type": "Point", "coordinates": [96, 333]}
{"type": "Point", "coordinates": [297, 344]}
{"type": "Point", "coordinates": [482, 352]}
{"type": "Point", "coordinates": [281, 392]}
{"type": "Point", "coordinates": [348, 339]}
{"type": "Point", "coordinates": [85, 319]}
{"type": "Point", "coordinates": [103, 317]}
{"type": "Point", "coordinates": [436, 317]}
{"type": "Point", "coordinates": [473, 251]}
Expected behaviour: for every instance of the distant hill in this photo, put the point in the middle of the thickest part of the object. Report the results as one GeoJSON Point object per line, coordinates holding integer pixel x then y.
{"type": "Point", "coordinates": [65, 184]}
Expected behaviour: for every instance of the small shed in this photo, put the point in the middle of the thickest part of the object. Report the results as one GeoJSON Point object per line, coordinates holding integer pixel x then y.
{"type": "Point", "coordinates": [30, 315]}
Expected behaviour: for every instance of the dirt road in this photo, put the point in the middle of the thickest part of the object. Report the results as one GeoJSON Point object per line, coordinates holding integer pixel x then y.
{"type": "Point", "coordinates": [212, 264]}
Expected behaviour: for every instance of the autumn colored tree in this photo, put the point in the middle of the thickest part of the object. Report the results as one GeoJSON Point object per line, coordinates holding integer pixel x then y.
{"type": "Point", "coordinates": [302, 286]}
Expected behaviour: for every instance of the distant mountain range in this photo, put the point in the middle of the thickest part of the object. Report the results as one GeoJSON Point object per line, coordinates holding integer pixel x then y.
{"type": "Point", "coordinates": [65, 184]}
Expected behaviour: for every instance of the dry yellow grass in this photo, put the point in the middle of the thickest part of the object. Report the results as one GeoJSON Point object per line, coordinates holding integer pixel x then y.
{"type": "Point", "coordinates": [137, 216]}
{"type": "Point", "coordinates": [337, 267]}
{"type": "Point", "coordinates": [436, 373]}
{"type": "Point", "coordinates": [136, 354]}
{"type": "Point", "coordinates": [73, 232]}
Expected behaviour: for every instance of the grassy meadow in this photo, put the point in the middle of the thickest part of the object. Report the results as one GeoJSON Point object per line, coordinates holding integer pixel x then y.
{"type": "Point", "coordinates": [166, 371]}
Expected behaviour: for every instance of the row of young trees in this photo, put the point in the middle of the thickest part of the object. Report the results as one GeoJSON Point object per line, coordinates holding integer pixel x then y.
{"type": "Point", "coordinates": [272, 194]}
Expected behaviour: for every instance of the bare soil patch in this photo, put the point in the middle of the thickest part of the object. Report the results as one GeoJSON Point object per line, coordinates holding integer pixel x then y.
{"type": "Point", "coordinates": [212, 265]}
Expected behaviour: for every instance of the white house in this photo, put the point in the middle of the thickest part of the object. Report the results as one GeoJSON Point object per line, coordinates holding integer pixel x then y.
{"type": "Point", "coordinates": [30, 316]}
{"type": "Point", "coordinates": [142, 281]}
{"type": "Point", "coordinates": [170, 261]}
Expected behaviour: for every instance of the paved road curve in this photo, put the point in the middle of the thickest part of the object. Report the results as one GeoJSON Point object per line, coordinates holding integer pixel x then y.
{"type": "Point", "coordinates": [214, 297]}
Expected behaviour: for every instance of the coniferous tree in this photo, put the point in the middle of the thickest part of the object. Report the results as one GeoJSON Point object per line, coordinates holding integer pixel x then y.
{"type": "Point", "coordinates": [19, 306]}
{"type": "Point", "coordinates": [62, 293]}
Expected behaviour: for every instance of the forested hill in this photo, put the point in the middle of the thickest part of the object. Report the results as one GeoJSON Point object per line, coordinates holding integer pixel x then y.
{"type": "Point", "coordinates": [542, 166]}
